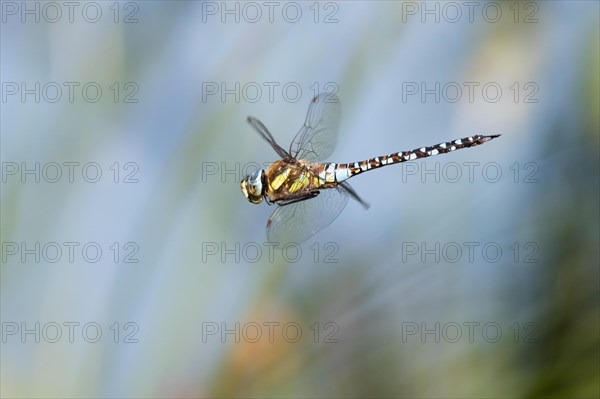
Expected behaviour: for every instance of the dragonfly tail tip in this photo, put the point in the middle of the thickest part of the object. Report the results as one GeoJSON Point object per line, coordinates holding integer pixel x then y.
{"type": "Point", "coordinates": [490, 137]}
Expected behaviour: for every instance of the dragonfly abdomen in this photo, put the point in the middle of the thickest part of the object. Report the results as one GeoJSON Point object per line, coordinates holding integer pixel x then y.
{"type": "Point", "coordinates": [332, 173]}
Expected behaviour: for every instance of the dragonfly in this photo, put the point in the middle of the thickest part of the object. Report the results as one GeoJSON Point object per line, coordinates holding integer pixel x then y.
{"type": "Point", "coordinates": [309, 192]}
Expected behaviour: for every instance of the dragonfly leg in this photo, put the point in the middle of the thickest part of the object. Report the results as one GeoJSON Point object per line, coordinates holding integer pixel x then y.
{"type": "Point", "coordinates": [297, 198]}
{"type": "Point", "coordinates": [353, 194]}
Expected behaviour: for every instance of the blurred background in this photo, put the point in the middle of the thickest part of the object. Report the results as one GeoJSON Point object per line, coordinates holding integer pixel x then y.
{"type": "Point", "coordinates": [132, 266]}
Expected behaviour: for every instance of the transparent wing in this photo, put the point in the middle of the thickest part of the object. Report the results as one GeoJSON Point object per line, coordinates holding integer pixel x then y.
{"type": "Point", "coordinates": [317, 138]}
{"type": "Point", "coordinates": [299, 221]}
{"type": "Point", "coordinates": [264, 132]}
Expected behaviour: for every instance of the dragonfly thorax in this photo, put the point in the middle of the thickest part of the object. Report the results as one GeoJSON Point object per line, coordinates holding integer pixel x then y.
{"type": "Point", "coordinates": [253, 186]}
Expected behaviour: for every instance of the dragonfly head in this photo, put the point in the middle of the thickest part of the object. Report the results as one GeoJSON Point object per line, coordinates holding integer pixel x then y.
{"type": "Point", "coordinates": [253, 187]}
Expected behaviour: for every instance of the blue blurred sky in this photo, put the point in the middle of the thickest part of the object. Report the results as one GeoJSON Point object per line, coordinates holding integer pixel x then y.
{"type": "Point", "coordinates": [131, 120]}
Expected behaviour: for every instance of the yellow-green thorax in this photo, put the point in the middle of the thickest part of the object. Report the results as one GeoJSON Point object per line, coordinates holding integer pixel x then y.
{"type": "Point", "coordinates": [285, 178]}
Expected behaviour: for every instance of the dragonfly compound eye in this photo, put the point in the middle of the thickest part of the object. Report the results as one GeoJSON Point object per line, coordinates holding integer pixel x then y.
{"type": "Point", "coordinates": [252, 187]}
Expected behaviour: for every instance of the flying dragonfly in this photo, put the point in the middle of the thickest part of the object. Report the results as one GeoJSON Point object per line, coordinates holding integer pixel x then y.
{"type": "Point", "coordinates": [310, 193]}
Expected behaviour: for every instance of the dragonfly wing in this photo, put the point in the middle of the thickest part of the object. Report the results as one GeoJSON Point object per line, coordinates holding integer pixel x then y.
{"type": "Point", "coordinates": [298, 221]}
{"type": "Point", "coordinates": [264, 132]}
{"type": "Point", "coordinates": [317, 137]}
